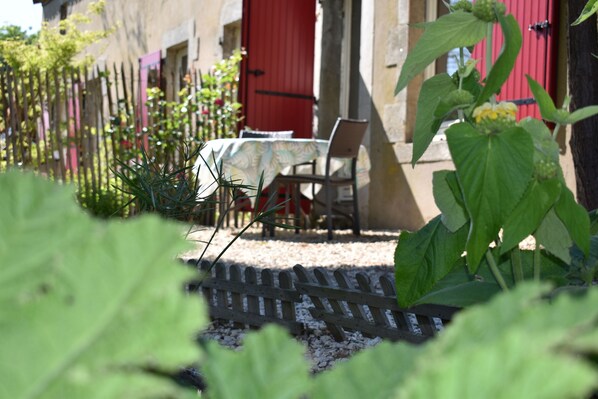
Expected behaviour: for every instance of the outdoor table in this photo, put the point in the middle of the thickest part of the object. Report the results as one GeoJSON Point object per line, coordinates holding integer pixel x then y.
{"type": "Point", "coordinates": [245, 160]}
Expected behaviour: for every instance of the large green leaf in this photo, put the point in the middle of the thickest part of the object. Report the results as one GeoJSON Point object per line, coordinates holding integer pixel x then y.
{"type": "Point", "coordinates": [460, 289]}
{"type": "Point", "coordinates": [372, 374]}
{"type": "Point", "coordinates": [270, 365]}
{"type": "Point", "coordinates": [445, 189]}
{"type": "Point", "coordinates": [505, 62]}
{"type": "Point", "coordinates": [458, 29]}
{"type": "Point", "coordinates": [552, 234]}
{"type": "Point", "coordinates": [425, 257]}
{"type": "Point", "coordinates": [493, 172]}
{"type": "Point", "coordinates": [538, 199]}
{"type": "Point", "coordinates": [25, 214]}
{"type": "Point", "coordinates": [426, 126]}
{"type": "Point", "coordinates": [575, 219]}
{"type": "Point", "coordinates": [506, 348]}
{"type": "Point", "coordinates": [541, 195]}
{"type": "Point", "coordinates": [85, 320]}
{"type": "Point", "coordinates": [589, 9]}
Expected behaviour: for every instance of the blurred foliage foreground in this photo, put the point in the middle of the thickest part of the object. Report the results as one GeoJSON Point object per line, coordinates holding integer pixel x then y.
{"type": "Point", "coordinates": [96, 309]}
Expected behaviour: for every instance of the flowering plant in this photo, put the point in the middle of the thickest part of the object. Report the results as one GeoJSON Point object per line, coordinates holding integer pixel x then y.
{"type": "Point", "coordinates": [507, 183]}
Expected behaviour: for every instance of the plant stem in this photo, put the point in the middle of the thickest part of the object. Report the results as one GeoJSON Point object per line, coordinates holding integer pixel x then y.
{"type": "Point", "coordinates": [489, 37]}
{"type": "Point", "coordinates": [555, 132]}
{"type": "Point", "coordinates": [495, 272]}
{"type": "Point", "coordinates": [537, 263]}
{"type": "Point", "coordinates": [237, 236]}
{"type": "Point", "coordinates": [516, 264]}
{"type": "Point", "coordinates": [460, 112]}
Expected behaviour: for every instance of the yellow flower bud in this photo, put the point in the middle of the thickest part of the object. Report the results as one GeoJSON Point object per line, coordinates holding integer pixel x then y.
{"type": "Point", "coordinates": [493, 118]}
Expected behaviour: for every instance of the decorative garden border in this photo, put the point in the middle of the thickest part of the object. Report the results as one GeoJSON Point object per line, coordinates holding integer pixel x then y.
{"type": "Point", "coordinates": [240, 296]}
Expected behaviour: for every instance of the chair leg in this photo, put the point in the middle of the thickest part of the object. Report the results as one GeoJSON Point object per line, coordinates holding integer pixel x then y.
{"type": "Point", "coordinates": [297, 197]}
{"type": "Point", "coordinates": [329, 210]}
{"type": "Point", "coordinates": [270, 201]}
{"type": "Point", "coordinates": [356, 226]}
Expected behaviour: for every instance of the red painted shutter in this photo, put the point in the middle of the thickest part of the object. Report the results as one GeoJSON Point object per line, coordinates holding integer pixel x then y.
{"type": "Point", "coordinates": [277, 74]}
{"type": "Point", "coordinates": [538, 53]}
{"type": "Point", "coordinates": [149, 76]}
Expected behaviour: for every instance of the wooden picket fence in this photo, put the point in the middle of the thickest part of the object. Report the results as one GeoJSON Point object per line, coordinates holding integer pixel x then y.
{"type": "Point", "coordinates": [342, 304]}
{"type": "Point", "coordinates": [73, 124]}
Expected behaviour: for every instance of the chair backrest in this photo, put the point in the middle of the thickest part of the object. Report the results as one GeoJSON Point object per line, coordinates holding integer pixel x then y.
{"type": "Point", "coordinates": [346, 138]}
{"type": "Point", "coordinates": [253, 134]}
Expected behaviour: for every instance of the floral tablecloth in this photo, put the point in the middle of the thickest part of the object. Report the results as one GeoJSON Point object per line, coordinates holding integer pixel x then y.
{"type": "Point", "coordinates": [244, 160]}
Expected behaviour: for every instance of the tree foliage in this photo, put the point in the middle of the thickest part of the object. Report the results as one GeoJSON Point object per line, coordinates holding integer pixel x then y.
{"type": "Point", "coordinates": [55, 46]}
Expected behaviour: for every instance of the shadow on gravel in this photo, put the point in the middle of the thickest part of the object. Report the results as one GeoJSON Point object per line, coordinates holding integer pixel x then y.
{"type": "Point", "coordinates": [312, 236]}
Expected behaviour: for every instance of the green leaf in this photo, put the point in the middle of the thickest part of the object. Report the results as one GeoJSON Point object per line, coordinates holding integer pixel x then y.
{"type": "Point", "coordinates": [585, 267]}
{"type": "Point", "coordinates": [587, 342]}
{"type": "Point", "coordinates": [24, 216]}
{"type": "Point", "coordinates": [529, 339]}
{"type": "Point", "coordinates": [446, 108]}
{"type": "Point", "coordinates": [460, 289]}
{"type": "Point", "coordinates": [426, 126]}
{"type": "Point", "coordinates": [575, 219]}
{"type": "Point", "coordinates": [270, 365]}
{"type": "Point", "coordinates": [522, 373]}
{"type": "Point", "coordinates": [469, 68]}
{"type": "Point", "coordinates": [590, 8]}
{"type": "Point", "coordinates": [581, 114]}
{"type": "Point", "coordinates": [593, 215]}
{"type": "Point", "coordinates": [553, 269]}
{"type": "Point", "coordinates": [544, 145]}
{"type": "Point", "coordinates": [449, 199]}
{"type": "Point", "coordinates": [538, 199]}
{"type": "Point", "coordinates": [493, 173]}
{"type": "Point", "coordinates": [554, 237]}
{"type": "Point", "coordinates": [505, 62]}
{"type": "Point", "coordinates": [458, 29]}
{"type": "Point", "coordinates": [545, 103]}
{"type": "Point", "coordinates": [425, 257]}
{"type": "Point", "coordinates": [374, 374]}
{"type": "Point", "coordinates": [85, 320]}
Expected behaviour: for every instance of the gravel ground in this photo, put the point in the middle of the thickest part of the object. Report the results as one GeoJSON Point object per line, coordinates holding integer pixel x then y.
{"type": "Point", "coordinates": [372, 253]}
{"type": "Point", "coordinates": [310, 249]}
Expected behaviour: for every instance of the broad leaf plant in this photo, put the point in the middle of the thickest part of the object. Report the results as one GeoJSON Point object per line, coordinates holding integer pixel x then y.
{"type": "Point", "coordinates": [507, 184]}
{"type": "Point", "coordinates": [95, 309]}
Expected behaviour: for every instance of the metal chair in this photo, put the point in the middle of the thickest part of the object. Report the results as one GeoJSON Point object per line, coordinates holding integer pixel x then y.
{"type": "Point", "coordinates": [345, 140]}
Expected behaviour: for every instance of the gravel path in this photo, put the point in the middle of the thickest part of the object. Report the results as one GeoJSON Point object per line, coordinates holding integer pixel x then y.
{"type": "Point", "coordinates": [372, 253]}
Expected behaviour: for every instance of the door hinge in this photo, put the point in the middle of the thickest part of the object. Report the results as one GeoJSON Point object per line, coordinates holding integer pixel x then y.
{"type": "Point", "coordinates": [539, 26]}
{"type": "Point", "coordinates": [256, 72]}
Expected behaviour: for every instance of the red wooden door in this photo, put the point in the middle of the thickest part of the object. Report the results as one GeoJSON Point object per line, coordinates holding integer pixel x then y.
{"type": "Point", "coordinates": [277, 74]}
{"type": "Point", "coordinates": [538, 23]}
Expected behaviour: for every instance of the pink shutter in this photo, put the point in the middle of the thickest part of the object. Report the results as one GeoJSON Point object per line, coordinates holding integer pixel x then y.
{"type": "Point", "coordinates": [149, 76]}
